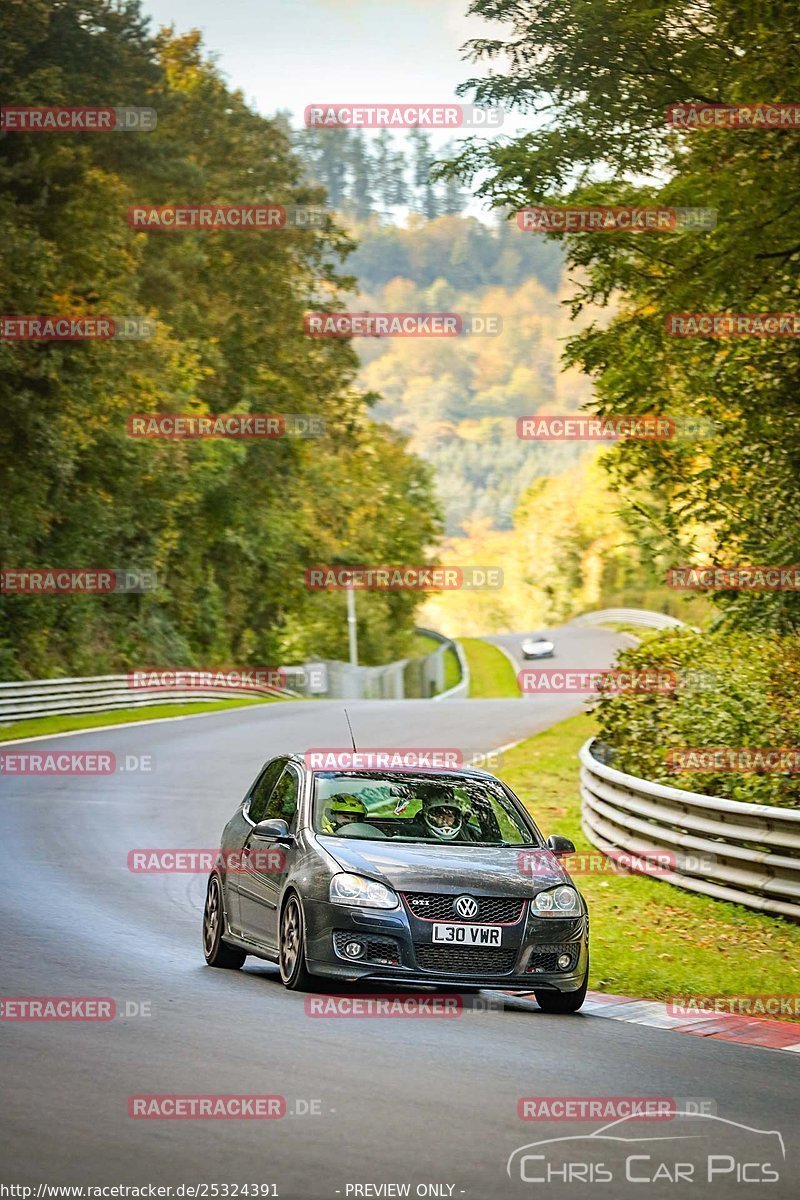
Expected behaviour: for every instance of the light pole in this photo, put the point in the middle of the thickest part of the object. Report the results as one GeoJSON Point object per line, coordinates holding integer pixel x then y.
{"type": "Point", "coordinates": [350, 588]}
{"type": "Point", "coordinates": [352, 631]}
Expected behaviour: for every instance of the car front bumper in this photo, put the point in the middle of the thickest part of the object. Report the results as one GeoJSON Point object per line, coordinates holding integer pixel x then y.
{"type": "Point", "coordinates": [537, 940]}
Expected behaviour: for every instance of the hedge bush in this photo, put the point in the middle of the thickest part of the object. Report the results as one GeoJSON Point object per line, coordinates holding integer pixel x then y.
{"type": "Point", "coordinates": [734, 689]}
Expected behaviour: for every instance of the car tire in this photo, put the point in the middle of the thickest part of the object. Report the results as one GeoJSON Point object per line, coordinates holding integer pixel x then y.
{"type": "Point", "coordinates": [562, 1002]}
{"type": "Point", "coordinates": [291, 944]}
{"type": "Point", "coordinates": [217, 952]}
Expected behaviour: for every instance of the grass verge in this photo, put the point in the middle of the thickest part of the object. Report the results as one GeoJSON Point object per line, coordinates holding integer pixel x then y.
{"type": "Point", "coordinates": [452, 669]}
{"type": "Point", "coordinates": [491, 675]}
{"type": "Point", "coordinates": [65, 723]}
{"type": "Point", "coordinates": [648, 938]}
{"type": "Point", "coordinates": [423, 644]}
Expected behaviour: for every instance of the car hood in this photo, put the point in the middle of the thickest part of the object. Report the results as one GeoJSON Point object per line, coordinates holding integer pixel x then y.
{"type": "Point", "coordinates": [481, 870]}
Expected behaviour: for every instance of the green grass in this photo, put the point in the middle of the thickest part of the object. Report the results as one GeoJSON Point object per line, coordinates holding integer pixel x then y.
{"type": "Point", "coordinates": [648, 938]}
{"type": "Point", "coordinates": [491, 675]}
{"type": "Point", "coordinates": [424, 644]}
{"type": "Point", "coordinates": [452, 669]}
{"type": "Point", "coordinates": [42, 726]}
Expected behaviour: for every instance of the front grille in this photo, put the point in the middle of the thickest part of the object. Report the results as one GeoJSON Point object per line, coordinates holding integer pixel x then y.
{"type": "Point", "coordinates": [492, 910]}
{"type": "Point", "coordinates": [465, 960]}
{"type": "Point", "coordinates": [545, 958]}
{"type": "Point", "coordinates": [383, 951]}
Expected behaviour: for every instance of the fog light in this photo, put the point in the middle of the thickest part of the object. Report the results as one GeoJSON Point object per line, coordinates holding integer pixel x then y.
{"type": "Point", "coordinates": [563, 961]}
{"type": "Point", "coordinates": [354, 949]}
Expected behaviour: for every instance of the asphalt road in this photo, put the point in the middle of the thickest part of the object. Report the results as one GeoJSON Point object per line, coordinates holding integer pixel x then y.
{"type": "Point", "coordinates": [577, 647]}
{"type": "Point", "coordinates": [371, 1103]}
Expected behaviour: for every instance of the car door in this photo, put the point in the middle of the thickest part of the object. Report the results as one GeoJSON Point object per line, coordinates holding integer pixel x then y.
{"type": "Point", "coordinates": [268, 862]}
{"type": "Point", "coordinates": [237, 832]}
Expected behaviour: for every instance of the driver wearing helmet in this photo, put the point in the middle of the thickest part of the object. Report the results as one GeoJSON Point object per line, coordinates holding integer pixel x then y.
{"type": "Point", "coordinates": [341, 810]}
{"type": "Point", "coordinates": [442, 818]}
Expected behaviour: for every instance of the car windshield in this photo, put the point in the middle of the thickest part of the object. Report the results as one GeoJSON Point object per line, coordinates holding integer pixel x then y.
{"type": "Point", "coordinates": [414, 808]}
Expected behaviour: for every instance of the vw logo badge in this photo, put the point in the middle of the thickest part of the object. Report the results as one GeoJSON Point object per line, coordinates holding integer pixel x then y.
{"type": "Point", "coordinates": [466, 906]}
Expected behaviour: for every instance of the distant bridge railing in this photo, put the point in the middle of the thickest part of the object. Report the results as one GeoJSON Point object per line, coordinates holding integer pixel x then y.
{"type": "Point", "coordinates": [629, 616]}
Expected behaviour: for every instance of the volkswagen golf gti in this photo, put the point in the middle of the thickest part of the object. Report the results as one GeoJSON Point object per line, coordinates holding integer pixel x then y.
{"type": "Point", "coordinates": [396, 877]}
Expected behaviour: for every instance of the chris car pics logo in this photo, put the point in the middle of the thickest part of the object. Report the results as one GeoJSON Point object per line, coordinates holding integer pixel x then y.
{"type": "Point", "coordinates": [694, 1148]}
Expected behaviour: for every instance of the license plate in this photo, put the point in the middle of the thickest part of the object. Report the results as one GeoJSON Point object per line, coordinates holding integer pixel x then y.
{"type": "Point", "coordinates": [468, 935]}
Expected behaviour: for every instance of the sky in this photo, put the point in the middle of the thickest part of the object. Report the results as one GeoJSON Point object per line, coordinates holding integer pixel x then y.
{"type": "Point", "coordinates": [290, 53]}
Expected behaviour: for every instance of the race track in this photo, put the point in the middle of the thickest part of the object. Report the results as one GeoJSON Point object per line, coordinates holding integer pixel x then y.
{"type": "Point", "coordinates": [400, 1101]}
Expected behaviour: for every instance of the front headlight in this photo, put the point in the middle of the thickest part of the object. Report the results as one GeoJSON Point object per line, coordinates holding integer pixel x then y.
{"type": "Point", "coordinates": [558, 902]}
{"type": "Point", "coordinates": [361, 892]}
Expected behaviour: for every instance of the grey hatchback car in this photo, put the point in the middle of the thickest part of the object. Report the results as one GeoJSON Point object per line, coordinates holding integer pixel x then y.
{"type": "Point", "coordinates": [396, 877]}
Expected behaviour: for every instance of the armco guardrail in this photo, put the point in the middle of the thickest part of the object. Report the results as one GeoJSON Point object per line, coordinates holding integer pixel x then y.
{"type": "Point", "coordinates": [406, 678]}
{"type": "Point", "coordinates": [346, 682]}
{"type": "Point", "coordinates": [104, 693]}
{"type": "Point", "coordinates": [30, 698]}
{"type": "Point", "coordinates": [629, 616]}
{"type": "Point", "coordinates": [460, 690]}
{"type": "Point", "coordinates": [746, 853]}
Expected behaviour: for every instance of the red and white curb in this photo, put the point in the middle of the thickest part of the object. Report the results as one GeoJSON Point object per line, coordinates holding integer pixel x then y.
{"type": "Point", "coordinates": [723, 1027]}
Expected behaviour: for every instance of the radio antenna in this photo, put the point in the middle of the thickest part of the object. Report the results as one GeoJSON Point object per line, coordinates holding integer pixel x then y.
{"type": "Point", "coordinates": [350, 727]}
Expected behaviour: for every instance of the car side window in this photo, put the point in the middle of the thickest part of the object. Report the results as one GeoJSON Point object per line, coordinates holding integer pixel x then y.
{"type": "Point", "coordinates": [283, 801]}
{"type": "Point", "coordinates": [263, 788]}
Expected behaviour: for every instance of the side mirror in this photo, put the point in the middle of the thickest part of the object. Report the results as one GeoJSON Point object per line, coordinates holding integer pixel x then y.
{"type": "Point", "coordinates": [560, 845]}
{"type": "Point", "coordinates": [274, 831]}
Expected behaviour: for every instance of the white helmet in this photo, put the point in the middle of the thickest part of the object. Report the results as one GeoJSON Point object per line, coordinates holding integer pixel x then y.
{"type": "Point", "coordinates": [444, 819]}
